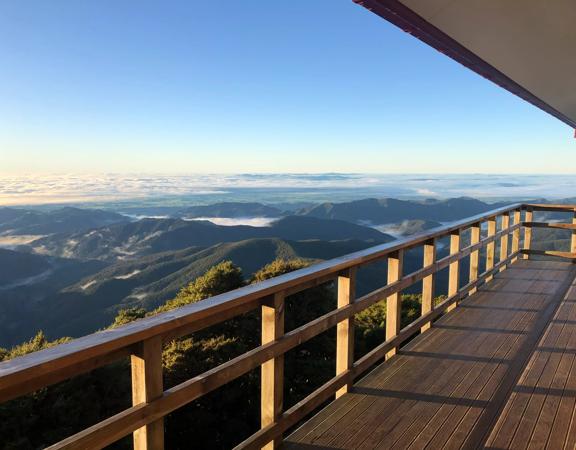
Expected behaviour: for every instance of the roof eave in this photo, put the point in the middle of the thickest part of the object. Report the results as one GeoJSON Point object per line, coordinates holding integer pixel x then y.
{"type": "Point", "coordinates": [403, 17]}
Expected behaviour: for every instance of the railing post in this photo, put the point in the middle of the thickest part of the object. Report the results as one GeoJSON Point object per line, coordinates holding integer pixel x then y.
{"type": "Point", "coordinates": [147, 385]}
{"type": "Point", "coordinates": [345, 329]}
{"type": "Point", "coordinates": [516, 234]}
{"type": "Point", "coordinates": [272, 371]}
{"type": "Point", "coordinates": [454, 269]}
{"type": "Point", "coordinates": [428, 282]}
{"type": "Point", "coordinates": [504, 239]}
{"type": "Point", "coordinates": [573, 240]}
{"type": "Point", "coordinates": [490, 247]}
{"type": "Point", "coordinates": [527, 232]}
{"type": "Point", "coordinates": [475, 255]}
{"type": "Point", "coordinates": [394, 301]}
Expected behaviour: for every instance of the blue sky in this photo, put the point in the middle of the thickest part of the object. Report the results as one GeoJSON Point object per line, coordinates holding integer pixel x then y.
{"type": "Point", "coordinates": [229, 86]}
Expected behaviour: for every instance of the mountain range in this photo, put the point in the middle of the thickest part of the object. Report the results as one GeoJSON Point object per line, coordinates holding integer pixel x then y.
{"type": "Point", "coordinates": [147, 236]}
{"type": "Point", "coordinates": [15, 221]}
{"type": "Point", "coordinates": [85, 264]}
{"type": "Point", "coordinates": [389, 210]}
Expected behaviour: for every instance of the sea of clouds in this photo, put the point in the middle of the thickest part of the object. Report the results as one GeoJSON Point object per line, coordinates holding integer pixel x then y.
{"type": "Point", "coordinates": [102, 188]}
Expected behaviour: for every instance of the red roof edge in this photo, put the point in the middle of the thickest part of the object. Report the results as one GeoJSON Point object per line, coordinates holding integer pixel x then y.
{"type": "Point", "coordinates": [406, 19]}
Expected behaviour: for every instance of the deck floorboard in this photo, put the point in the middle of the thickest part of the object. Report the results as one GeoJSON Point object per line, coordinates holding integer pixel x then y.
{"type": "Point", "coordinates": [499, 371]}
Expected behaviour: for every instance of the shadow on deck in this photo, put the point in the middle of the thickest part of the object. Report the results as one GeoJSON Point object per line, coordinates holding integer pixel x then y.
{"type": "Point", "coordinates": [497, 372]}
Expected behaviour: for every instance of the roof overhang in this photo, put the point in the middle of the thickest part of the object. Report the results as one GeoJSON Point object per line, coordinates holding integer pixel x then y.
{"type": "Point", "coordinates": [526, 46]}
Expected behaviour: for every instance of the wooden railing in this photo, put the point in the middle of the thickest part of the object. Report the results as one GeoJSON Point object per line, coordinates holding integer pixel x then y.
{"type": "Point", "coordinates": [143, 340]}
{"type": "Point", "coordinates": [529, 224]}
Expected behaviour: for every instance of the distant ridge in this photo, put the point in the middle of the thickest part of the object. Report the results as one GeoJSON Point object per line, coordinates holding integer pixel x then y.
{"type": "Point", "coordinates": [390, 210]}
{"type": "Point", "coordinates": [15, 221]}
{"type": "Point", "coordinates": [147, 236]}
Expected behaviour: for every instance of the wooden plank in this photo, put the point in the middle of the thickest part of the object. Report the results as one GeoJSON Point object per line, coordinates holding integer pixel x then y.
{"type": "Point", "coordinates": [454, 270]}
{"type": "Point", "coordinates": [516, 233]}
{"type": "Point", "coordinates": [345, 329]}
{"type": "Point", "coordinates": [384, 423]}
{"type": "Point", "coordinates": [557, 254]}
{"type": "Point", "coordinates": [521, 418]}
{"type": "Point", "coordinates": [521, 295]}
{"type": "Point", "coordinates": [560, 434]}
{"type": "Point", "coordinates": [428, 284]}
{"type": "Point", "coordinates": [394, 301]}
{"type": "Point", "coordinates": [272, 371]}
{"type": "Point", "coordinates": [527, 231]}
{"type": "Point", "coordinates": [550, 207]}
{"type": "Point", "coordinates": [505, 238]}
{"type": "Point", "coordinates": [320, 423]}
{"type": "Point", "coordinates": [487, 421]}
{"type": "Point", "coordinates": [492, 393]}
{"type": "Point", "coordinates": [429, 372]}
{"type": "Point", "coordinates": [491, 247]}
{"type": "Point", "coordinates": [475, 255]}
{"type": "Point", "coordinates": [555, 225]}
{"type": "Point", "coordinates": [551, 403]}
{"type": "Point", "coordinates": [491, 357]}
{"type": "Point", "coordinates": [573, 238]}
{"type": "Point", "coordinates": [457, 375]}
{"type": "Point", "coordinates": [147, 385]}
{"type": "Point", "coordinates": [377, 354]}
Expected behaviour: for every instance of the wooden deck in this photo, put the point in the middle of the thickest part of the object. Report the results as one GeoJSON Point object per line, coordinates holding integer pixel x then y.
{"type": "Point", "coordinates": [497, 372]}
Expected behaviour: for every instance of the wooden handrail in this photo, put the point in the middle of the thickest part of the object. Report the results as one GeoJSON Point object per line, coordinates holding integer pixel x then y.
{"type": "Point", "coordinates": [554, 253]}
{"type": "Point", "coordinates": [550, 207]}
{"type": "Point", "coordinates": [142, 339]}
{"type": "Point", "coordinates": [558, 225]}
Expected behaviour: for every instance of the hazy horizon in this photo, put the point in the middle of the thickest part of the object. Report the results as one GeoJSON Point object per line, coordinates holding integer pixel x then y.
{"type": "Point", "coordinates": [179, 190]}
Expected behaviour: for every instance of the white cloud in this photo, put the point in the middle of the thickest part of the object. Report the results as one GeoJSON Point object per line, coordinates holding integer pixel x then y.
{"type": "Point", "coordinates": [52, 189]}
{"type": "Point", "coordinates": [232, 221]}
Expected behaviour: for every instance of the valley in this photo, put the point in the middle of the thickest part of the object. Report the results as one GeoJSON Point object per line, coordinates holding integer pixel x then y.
{"type": "Point", "coordinates": [69, 271]}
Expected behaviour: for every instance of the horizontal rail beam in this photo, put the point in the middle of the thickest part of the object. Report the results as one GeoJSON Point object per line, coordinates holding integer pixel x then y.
{"type": "Point", "coordinates": [559, 225]}
{"type": "Point", "coordinates": [550, 207]}
{"type": "Point", "coordinates": [557, 254]}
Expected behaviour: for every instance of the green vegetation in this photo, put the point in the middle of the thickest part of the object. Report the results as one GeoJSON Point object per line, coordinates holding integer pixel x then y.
{"type": "Point", "coordinates": [220, 419]}
{"type": "Point", "coordinates": [38, 342]}
{"type": "Point", "coordinates": [221, 278]}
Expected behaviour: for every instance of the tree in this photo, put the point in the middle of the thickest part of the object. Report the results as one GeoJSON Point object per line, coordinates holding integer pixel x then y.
{"type": "Point", "coordinates": [125, 316]}
{"type": "Point", "coordinates": [38, 342]}
{"type": "Point", "coordinates": [223, 277]}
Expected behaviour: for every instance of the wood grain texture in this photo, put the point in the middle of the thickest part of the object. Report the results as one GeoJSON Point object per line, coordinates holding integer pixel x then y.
{"type": "Point", "coordinates": [394, 301]}
{"type": "Point", "coordinates": [444, 388]}
{"type": "Point", "coordinates": [475, 255]}
{"type": "Point", "coordinates": [428, 284]}
{"type": "Point", "coordinates": [516, 217]}
{"type": "Point", "coordinates": [527, 231]}
{"type": "Point", "coordinates": [573, 237]}
{"type": "Point", "coordinates": [454, 270]}
{"type": "Point", "coordinates": [272, 371]}
{"type": "Point", "coordinates": [505, 239]}
{"type": "Point", "coordinates": [491, 247]}
{"type": "Point", "coordinates": [147, 385]}
{"type": "Point", "coordinates": [345, 329]}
